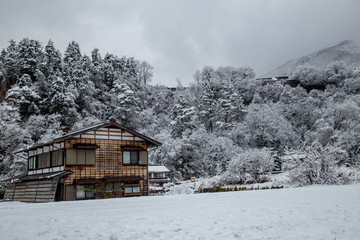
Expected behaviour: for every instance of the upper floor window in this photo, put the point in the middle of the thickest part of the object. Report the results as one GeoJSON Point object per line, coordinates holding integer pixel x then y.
{"type": "Point", "coordinates": [80, 156]}
{"type": "Point", "coordinates": [131, 157]}
{"type": "Point", "coordinates": [135, 157]}
{"type": "Point", "coordinates": [46, 160]}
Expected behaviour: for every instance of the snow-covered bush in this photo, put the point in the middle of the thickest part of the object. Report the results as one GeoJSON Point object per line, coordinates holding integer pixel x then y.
{"type": "Point", "coordinates": [250, 165]}
{"type": "Point", "coordinates": [183, 188]}
{"type": "Point", "coordinates": [316, 165]}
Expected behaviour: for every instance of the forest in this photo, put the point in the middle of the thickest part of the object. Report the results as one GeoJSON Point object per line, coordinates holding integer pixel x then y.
{"type": "Point", "coordinates": [226, 124]}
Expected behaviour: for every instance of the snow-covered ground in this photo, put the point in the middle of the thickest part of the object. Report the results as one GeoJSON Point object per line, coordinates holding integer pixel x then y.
{"type": "Point", "coordinates": [317, 212]}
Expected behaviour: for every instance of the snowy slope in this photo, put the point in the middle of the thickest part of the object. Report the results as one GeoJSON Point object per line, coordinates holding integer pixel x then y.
{"type": "Point", "coordinates": [317, 212]}
{"type": "Point", "coordinates": [347, 51]}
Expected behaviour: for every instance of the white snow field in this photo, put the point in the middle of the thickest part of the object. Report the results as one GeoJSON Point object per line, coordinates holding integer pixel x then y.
{"type": "Point", "coordinates": [317, 212]}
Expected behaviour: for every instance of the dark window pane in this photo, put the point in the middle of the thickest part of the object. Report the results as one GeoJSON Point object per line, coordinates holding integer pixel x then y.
{"type": "Point", "coordinates": [89, 195]}
{"type": "Point", "coordinates": [109, 187]}
{"type": "Point", "coordinates": [134, 157]}
{"type": "Point", "coordinates": [117, 187]}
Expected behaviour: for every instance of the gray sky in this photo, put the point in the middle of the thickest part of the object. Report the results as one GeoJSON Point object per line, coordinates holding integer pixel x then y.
{"type": "Point", "coordinates": [179, 37]}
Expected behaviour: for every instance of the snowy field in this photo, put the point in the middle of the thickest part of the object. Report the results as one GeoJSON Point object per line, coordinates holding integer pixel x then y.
{"type": "Point", "coordinates": [317, 212]}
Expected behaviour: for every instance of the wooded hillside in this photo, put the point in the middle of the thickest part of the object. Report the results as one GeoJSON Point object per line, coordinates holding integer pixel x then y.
{"type": "Point", "coordinates": [225, 124]}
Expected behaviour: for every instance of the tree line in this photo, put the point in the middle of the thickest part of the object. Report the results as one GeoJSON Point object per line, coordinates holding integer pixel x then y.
{"type": "Point", "coordinates": [226, 124]}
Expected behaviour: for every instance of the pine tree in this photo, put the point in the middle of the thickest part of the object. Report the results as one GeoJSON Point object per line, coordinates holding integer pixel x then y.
{"type": "Point", "coordinates": [97, 71]}
{"type": "Point", "coordinates": [208, 107]}
{"type": "Point", "coordinates": [183, 118]}
{"type": "Point", "coordinates": [23, 95]}
{"type": "Point", "coordinates": [72, 54]}
{"type": "Point", "coordinates": [2, 66]}
{"type": "Point", "coordinates": [109, 70]}
{"type": "Point", "coordinates": [52, 59]}
{"type": "Point", "coordinates": [126, 104]}
{"type": "Point", "coordinates": [223, 110]}
{"type": "Point", "coordinates": [29, 57]}
{"type": "Point", "coordinates": [62, 101]}
{"type": "Point", "coordinates": [10, 61]}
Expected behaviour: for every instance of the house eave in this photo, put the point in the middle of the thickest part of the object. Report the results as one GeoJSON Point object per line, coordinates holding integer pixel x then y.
{"type": "Point", "coordinates": [150, 141]}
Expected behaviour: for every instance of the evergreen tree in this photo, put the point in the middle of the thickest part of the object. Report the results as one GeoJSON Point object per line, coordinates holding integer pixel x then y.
{"type": "Point", "coordinates": [72, 54]}
{"type": "Point", "coordinates": [2, 66]}
{"type": "Point", "coordinates": [10, 61]}
{"type": "Point", "coordinates": [97, 68]}
{"type": "Point", "coordinates": [126, 104]}
{"type": "Point", "coordinates": [52, 59]}
{"type": "Point", "coordinates": [62, 101]}
{"type": "Point", "coordinates": [23, 95]}
{"type": "Point", "coordinates": [29, 57]}
{"type": "Point", "coordinates": [208, 107]}
{"type": "Point", "coordinates": [223, 111]}
{"type": "Point", "coordinates": [183, 118]}
{"type": "Point", "coordinates": [109, 70]}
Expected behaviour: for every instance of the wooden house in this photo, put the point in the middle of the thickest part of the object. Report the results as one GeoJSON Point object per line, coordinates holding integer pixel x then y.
{"type": "Point", "coordinates": [102, 161]}
{"type": "Point", "coordinates": [158, 175]}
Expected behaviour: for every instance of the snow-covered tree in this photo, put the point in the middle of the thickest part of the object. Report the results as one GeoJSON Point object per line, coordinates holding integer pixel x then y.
{"type": "Point", "coordinates": [62, 100]}
{"type": "Point", "coordinates": [29, 56]}
{"type": "Point", "coordinates": [11, 60]}
{"type": "Point", "coordinates": [308, 75]}
{"type": "Point", "coordinates": [183, 118]}
{"type": "Point", "coordinates": [208, 107]}
{"type": "Point", "coordinates": [250, 165]}
{"type": "Point", "coordinates": [126, 105]}
{"type": "Point", "coordinates": [264, 126]}
{"type": "Point", "coordinates": [24, 96]}
{"type": "Point", "coordinates": [315, 164]}
{"type": "Point", "coordinates": [52, 59]}
{"type": "Point", "coordinates": [336, 72]}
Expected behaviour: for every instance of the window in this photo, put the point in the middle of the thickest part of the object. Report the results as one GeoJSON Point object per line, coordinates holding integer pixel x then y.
{"type": "Point", "coordinates": [80, 157]}
{"type": "Point", "coordinates": [43, 160]}
{"type": "Point", "coordinates": [46, 160]}
{"type": "Point", "coordinates": [135, 157]}
{"type": "Point", "coordinates": [132, 189]}
{"type": "Point", "coordinates": [109, 187]}
{"type": "Point", "coordinates": [81, 193]}
{"type": "Point", "coordinates": [57, 158]}
{"type": "Point", "coordinates": [131, 157]}
{"type": "Point", "coordinates": [113, 187]}
{"type": "Point", "coordinates": [89, 195]}
{"type": "Point", "coordinates": [32, 163]}
{"type": "Point", "coordinates": [159, 175]}
{"type": "Point", "coordinates": [136, 189]}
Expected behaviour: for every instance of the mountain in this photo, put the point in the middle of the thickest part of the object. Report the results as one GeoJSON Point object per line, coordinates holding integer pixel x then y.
{"type": "Point", "coordinates": [346, 51]}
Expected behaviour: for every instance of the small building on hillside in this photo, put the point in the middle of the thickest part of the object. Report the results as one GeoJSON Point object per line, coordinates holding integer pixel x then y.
{"type": "Point", "coordinates": [158, 175]}
{"type": "Point", "coordinates": [102, 161]}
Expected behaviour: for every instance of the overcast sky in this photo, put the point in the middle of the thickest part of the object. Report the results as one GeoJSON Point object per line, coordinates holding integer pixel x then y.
{"type": "Point", "coordinates": [179, 37]}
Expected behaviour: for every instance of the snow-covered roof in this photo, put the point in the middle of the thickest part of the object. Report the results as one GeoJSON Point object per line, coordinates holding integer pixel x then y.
{"type": "Point", "coordinates": [158, 168]}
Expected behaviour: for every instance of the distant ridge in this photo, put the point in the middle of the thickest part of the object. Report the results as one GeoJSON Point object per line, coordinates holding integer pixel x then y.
{"type": "Point", "coordinates": [346, 51]}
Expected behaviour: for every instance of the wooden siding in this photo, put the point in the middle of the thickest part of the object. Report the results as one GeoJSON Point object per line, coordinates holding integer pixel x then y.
{"type": "Point", "coordinates": [108, 162]}
{"type": "Point", "coordinates": [32, 191]}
